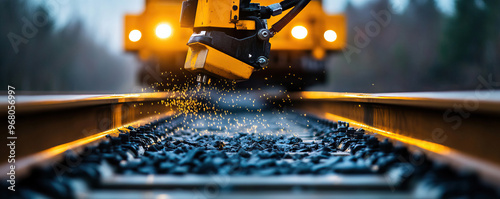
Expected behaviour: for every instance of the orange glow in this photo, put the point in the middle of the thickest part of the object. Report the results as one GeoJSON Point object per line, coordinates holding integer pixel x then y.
{"type": "Point", "coordinates": [299, 32]}
{"type": "Point", "coordinates": [163, 31]}
{"type": "Point", "coordinates": [330, 35]}
{"type": "Point", "coordinates": [430, 146]}
{"type": "Point", "coordinates": [319, 53]}
{"type": "Point", "coordinates": [57, 150]}
{"type": "Point", "coordinates": [365, 97]}
{"type": "Point", "coordinates": [332, 95]}
{"type": "Point", "coordinates": [135, 35]}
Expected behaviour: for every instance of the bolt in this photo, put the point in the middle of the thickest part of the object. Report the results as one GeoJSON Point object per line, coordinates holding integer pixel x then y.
{"type": "Point", "coordinates": [262, 61]}
{"type": "Point", "coordinates": [264, 34]}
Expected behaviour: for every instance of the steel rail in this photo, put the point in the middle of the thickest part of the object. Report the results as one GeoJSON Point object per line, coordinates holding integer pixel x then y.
{"type": "Point", "coordinates": [477, 101]}
{"type": "Point", "coordinates": [461, 128]}
{"type": "Point", "coordinates": [45, 121]}
{"type": "Point", "coordinates": [51, 156]}
{"type": "Point", "coordinates": [34, 103]}
{"type": "Point", "coordinates": [457, 127]}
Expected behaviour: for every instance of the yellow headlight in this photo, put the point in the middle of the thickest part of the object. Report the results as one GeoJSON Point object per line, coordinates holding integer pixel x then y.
{"type": "Point", "coordinates": [299, 32]}
{"type": "Point", "coordinates": [135, 35]}
{"type": "Point", "coordinates": [330, 35]}
{"type": "Point", "coordinates": [163, 31]}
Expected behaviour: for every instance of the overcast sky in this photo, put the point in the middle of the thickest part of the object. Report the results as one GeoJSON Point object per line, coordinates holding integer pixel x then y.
{"type": "Point", "coordinates": [335, 6]}
{"type": "Point", "coordinates": [103, 19]}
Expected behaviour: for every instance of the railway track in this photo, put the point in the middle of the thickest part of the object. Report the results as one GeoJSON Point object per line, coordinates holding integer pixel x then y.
{"type": "Point", "coordinates": [298, 145]}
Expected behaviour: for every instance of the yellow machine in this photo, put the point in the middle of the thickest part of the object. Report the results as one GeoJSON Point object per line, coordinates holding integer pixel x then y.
{"type": "Point", "coordinates": [157, 34]}
{"type": "Point", "coordinates": [311, 30]}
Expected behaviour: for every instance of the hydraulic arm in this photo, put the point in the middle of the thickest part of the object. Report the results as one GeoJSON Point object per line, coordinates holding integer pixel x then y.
{"type": "Point", "coordinates": [231, 37]}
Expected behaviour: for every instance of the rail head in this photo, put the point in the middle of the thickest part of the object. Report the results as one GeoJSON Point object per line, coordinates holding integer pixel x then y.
{"type": "Point", "coordinates": [45, 121]}
{"type": "Point", "coordinates": [480, 101]}
{"type": "Point", "coordinates": [34, 103]}
{"type": "Point", "coordinates": [461, 127]}
{"type": "Point", "coordinates": [414, 115]}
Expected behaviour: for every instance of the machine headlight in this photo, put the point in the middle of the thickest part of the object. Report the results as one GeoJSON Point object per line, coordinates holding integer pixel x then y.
{"type": "Point", "coordinates": [330, 35]}
{"type": "Point", "coordinates": [163, 31]}
{"type": "Point", "coordinates": [135, 35]}
{"type": "Point", "coordinates": [299, 32]}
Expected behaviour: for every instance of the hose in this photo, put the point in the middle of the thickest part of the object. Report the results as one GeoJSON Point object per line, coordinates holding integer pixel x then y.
{"type": "Point", "coordinates": [287, 4]}
{"type": "Point", "coordinates": [289, 16]}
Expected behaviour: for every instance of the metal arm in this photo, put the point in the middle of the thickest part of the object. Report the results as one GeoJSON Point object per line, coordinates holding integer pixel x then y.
{"type": "Point", "coordinates": [231, 38]}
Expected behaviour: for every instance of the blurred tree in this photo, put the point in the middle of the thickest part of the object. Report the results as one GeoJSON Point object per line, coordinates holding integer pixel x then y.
{"type": "Point", "coordinates": [418, 33]}
{"type": "Point", "coordinates": [17, 31]}
{"type": "Point", "coordinates": [396, 59]}
{"type": "Point", "coordinates": [467, 38]}
{"type": "Point", "coordinates": [35, 57]}
{"type": "Point", "coordinates": [421, 49]}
